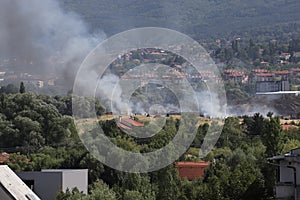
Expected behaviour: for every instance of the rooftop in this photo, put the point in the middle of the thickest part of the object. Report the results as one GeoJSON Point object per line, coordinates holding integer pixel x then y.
{"type": "Point", "coordinates": [264, 75]}
{"type": "Point", "coordinates": [292, 153]}
{"type": "Point", "coordinates": [14, 186]}
{"type": "Point", "coordinates": [285, 72]}
{"type": "Point", "coordinates": [192, 170]}
{"type": "Point", "coordinates": [192, 164]}
{"type": "Point", "coordinates": [260, 71]}
{"type": "Point", "coordinates": [131, 122]}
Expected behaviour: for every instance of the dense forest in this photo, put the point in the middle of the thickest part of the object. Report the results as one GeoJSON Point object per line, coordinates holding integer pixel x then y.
{"type": "Point", "coordinates": [199, 19]}
{"type": "Point", "coordinates": [39, 132]}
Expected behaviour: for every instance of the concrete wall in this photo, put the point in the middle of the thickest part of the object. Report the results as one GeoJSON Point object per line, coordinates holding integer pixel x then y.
{"type": "Point", "coordinates": [267, 86]}
{"type": "Point", "coordinates": [75, 178]}
{"type": "Point", "coordinates": [285, 186]}
{"type": "Point", "coordinates": [48, 183]}
{"type": "Point", "coordinates": [287, 174]}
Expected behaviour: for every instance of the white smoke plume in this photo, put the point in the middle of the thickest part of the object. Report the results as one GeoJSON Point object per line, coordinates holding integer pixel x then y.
{"type": "Point", "coordinates": [39, 36]}
{"type": "Point", "coordinates": [110, 91]}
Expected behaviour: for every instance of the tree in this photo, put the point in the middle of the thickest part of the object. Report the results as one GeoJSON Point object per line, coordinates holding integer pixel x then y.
{"type": "Point", "coordinates": [22, 88]}
{"type": "Point", "coordinates": [271, 135]}
{"type": "Point", "coordinates": [168, 184]}
{"type": "Point", "coordinates": [254, 124]}
{"type": "Point", "coordinates": [70, 195]}
{"type": "Point", "coordinates": [99, 190]}
{"type": "Point", "coordinates": [271, 138]}
{"type": "Point", "coordinates": [9, 89]}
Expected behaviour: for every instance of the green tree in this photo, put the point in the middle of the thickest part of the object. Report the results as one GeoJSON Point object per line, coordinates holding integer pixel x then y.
{"type": "Point", "coordinates": [100, 190]}
{"type": "Point", "coordinates": [22, 88]}
{"type": "Point", "coordinates": [271, 138]}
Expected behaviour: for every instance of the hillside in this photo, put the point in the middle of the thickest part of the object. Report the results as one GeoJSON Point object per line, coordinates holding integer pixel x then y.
{"type": "Point", "coordinates": [200, 19]}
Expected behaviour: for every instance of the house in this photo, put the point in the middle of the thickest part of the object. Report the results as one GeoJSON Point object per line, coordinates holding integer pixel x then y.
{"type": "Point", "coordinates": [12, 187]}
{"type": "Point", "coordinates": [192, 170]}
{"type": "Point", "coordinates": [268, 82]}
{"type": "Point", "coordinates": [47, 183]}
{"type": "Point", "coordinates": [260, 71]}
{"type": "Point", "coordinates": [4, 157]}
{"type": "Point", "coordinates": [287, 127]}
{"type": "Point", "coordinates": [265, 83]}
{"type": "Point", "coordinates": [235, 75]}
{"type": "Point", "coordinates": [283, 75]}
{"type": "Point", "coordinates": [288, 174]}
{"type": "Point", "coordinates": [295, 72]}
{"type": "Point", "coordinates": [127, 123]}
{"type": "Point", "coordinates": [264, 63]}
{"type": "Point", "coordinates": [285, 56]}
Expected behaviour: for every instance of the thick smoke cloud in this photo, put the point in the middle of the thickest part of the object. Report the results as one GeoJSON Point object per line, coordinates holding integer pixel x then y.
{"type": "Point", "coordinates": [39, 36]}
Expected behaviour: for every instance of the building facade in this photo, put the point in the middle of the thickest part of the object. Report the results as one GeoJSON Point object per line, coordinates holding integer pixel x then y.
{"type": "Point", "coordinates": [288, 175]}
{"type": "Point", "coordinates": [47, 183]}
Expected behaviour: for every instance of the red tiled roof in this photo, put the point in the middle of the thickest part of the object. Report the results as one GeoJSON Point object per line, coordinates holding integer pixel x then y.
{"type": "Point", "coordinates": [4, 157]}
{"type": "Point", "coordinates": [285, 72]}
{"type": "Point", "coordinates": [287, 127]}
{"type": "Point", "coordinates": [132, 122]}
{"type": "Point", "coordinates": [260, 71]}
{"type": "Point", "coordinates": [264, 62]}
{"type": "Point", "coordinates": [264, 75]}
{"type": "Point", "coordinates": [234, 73]}
{"type": "Point", "coordinates": [191, 170]}
{"type": "Point", "coordinates": [296, 69]}
{"type": "Point", "coordinates": [122, 126]}
{"type": "Point", "coordinates": [12, 77]}
{"type": "Point", "coordinates": [229, 71]}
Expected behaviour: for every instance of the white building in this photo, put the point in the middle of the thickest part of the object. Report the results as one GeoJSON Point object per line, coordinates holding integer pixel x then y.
{"type": "Point", "coordinates": [47, 183]}
{"type": "Point", "coordinates": [288, 175]}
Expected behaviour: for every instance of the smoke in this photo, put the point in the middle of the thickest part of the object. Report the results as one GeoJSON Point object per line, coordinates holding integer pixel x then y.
{"type": "Point", "coordinates": [111, 93]}
{"type": "Point", "coordinates": [209, 104]}
{"type": "Point", "coordinates": [255, 106]}
{"type": "Point", "coordinates": [39, 36]}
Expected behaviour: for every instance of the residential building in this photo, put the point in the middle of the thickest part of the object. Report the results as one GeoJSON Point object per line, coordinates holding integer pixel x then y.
{"type": "Point", "coordinates": [126, 123]}
{"type": "Point", "coordinates": [268, 82]}
{"type": "Point", "coordinates": [295, 72]}
{"type": "Point", "coordinates": [287, 127]}
{"type": "Point", "coordinates": [192, 170]}
{"type": "Point", "coordinates": [235, 75]}
{"type": "Point", "coordinates": [285, 56]}
{"type": "Point", "coordinates": [288, 174]}
{"type": "Point", "coordinates": [47, 183]}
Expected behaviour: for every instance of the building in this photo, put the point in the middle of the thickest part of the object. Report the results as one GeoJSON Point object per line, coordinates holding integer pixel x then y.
{"type": "Point", "coordinates": [287, 127]}
{"type": "Point", "coordinates": [47, 183]}
{"type": "Point", "coordinates": [288, 174]}
{"type": "Point", "coordinates": [12, 187]}
{"type": "Point", "coordinates": [127, 123]}
{"type": "Point", "coordinates": [295, 72]}
{"type": "Point", "coordinates": [285, 56]}
{"type": "Point", "coordinates": [235, 75]}
{"type": "Point", "coordinates": [192, 170]}
{"type": "Point", "coordinates": [4, 157]}
{"type": "Point", "coordinates": [268, 82]}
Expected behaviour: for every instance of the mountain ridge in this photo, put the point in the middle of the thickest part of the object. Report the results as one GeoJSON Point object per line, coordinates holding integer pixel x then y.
{"type": "Point", "coordinates": [200, 19]}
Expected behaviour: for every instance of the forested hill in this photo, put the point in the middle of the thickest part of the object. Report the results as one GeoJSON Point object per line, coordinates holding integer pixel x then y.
{"type": "Point", "coordinates": [199, 18]}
